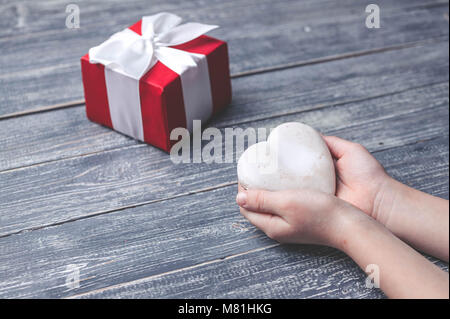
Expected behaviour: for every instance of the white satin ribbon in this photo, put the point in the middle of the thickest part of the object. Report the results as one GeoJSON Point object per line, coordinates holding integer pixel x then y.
{"type": "Point", "coordinates": [133, 55]}
{"type": "Point", "coordinates": [127, 56]}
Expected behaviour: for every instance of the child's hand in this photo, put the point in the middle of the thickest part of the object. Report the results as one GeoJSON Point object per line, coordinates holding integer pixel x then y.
{"type": "Point", "coordinates": [306, 216]}
{"type": "Point", "coordinates": [311, 217]}
{"type": "Point", "coordinates": [361, 178]}
{"type": "Point", "coordinates": [298, 216]}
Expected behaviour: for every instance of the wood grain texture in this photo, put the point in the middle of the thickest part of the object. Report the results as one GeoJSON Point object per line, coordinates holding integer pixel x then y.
{"type": "Point", "coordinates": [96, 184]}
{"type": "Point", "coordinates": [67, 133]}
{"type": "Point", "coordinates": [184, 245]}
{"type": "Point", "coordinates": [28, 17]}
{"type": "Point", "coordinates": [276, 33]}
{"type": "Point", "coordinates": [274, 273]}
{"type": "Point", "coordinates": [77, 194]}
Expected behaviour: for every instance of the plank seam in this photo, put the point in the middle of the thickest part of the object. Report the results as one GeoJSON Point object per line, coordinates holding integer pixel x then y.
{"type": "Point", "coordinates": [256, 71]}
{"type": "Point", "coordinates": [198, 191]}
{"type": "Point", "coordinates": [323, 106]}
{"type": "Point", "coordinates": [124, 147]}
{"type": "Point", "coordinates": [36, 34]}
{"type": "Point", "coordinates": [99, 213]}
{"type": "Point", "coordinates": [344, 56]}
{"type": "Point", "coordinates": [205, 263]}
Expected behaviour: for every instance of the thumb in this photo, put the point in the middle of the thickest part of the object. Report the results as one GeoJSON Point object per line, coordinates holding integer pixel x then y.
{"type": "Point", "coordinates": [260, 201]}
{"type": "Point", "coordinates": [338, 146]}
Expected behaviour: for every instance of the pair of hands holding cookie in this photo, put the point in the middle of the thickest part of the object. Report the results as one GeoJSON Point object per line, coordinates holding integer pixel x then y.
{"type": "Point", "coordinates": [360, 210]}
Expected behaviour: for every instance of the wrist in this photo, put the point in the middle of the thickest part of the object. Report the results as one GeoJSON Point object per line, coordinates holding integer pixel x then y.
{"type": "Point", "coordinates": [353, 225]}
{"type": "Point", "coordinates": [385, 199]}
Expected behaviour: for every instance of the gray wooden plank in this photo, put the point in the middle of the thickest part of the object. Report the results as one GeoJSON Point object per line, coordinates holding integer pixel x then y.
{"type": "Point", "coordinates": [49, 71]}
{"type": "Point", "coordinates": [422, 165]}
{"type": "Point", "coordinates": [29, 17]}
{"type": "Point", "coordinates": [180, 243]}
{"type": "Point", "coordinates": [436, 182]}
{"type": "Point", "coordinates": [95, 184]}
{"type": "Point", "coordinates": [275, 273]}
{"type": "Point", "coordinates": [293, 271]}
{"type": "Point", "coordinates": [66, 133]}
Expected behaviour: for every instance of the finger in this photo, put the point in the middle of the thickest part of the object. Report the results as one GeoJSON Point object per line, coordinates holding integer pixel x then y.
{"type": "Point", "coordinates": [268, 223]}
{"type": "Point", "coordinates": [241, 189]}
{"type": "Point", "coordinates": [338, 146]}
{"type": "Point", "coordinates": [261, 201]}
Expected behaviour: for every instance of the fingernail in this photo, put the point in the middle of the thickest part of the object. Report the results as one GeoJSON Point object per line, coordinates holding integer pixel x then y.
{"type": "Point", "coordinates": [241, 199]}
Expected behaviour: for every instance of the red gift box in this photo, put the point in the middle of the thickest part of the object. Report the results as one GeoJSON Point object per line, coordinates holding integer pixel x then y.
{"type": "Point", "coordinates": [150, 107]}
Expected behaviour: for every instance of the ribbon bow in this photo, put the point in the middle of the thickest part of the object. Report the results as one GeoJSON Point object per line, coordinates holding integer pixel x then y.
{"type": "Point", "coordinates": [134, 54]}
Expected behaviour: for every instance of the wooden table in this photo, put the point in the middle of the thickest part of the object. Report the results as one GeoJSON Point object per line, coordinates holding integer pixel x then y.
{"type": "Point", "coordinates": [79, 199]}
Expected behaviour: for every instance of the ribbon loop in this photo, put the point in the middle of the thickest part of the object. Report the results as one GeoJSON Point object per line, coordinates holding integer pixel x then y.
{"type": "Point", "coordinates": [184, 33]}
{"type": "Point", "coordinates": [133, 54]}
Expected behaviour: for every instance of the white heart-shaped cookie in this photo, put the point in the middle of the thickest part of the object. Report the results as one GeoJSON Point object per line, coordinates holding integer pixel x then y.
{"type": "Point", "coordinates": [294, 157]}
